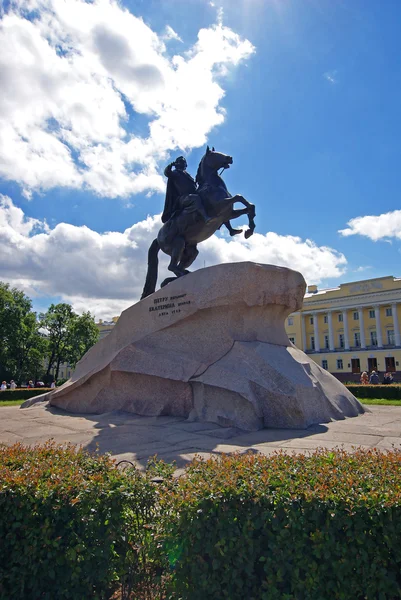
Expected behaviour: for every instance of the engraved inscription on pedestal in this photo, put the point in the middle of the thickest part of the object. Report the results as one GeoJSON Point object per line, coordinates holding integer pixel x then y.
{"type": "Point", "coordinates": [169, 305]}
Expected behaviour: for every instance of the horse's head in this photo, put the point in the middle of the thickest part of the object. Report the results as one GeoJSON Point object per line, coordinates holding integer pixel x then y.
{"type": "Point", "coordinates": [217, 160]}
{"type": "Point", "coordinates": [211, 162]}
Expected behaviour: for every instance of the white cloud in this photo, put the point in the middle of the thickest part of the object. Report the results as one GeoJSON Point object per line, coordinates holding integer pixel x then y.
{"type": "Point", "coordinates": [381, 227]}
{"type": "Point", "coordinates": [105, 272]}
{"type": "Point", "coordinates": [314, 262]}
{"type": "Point", "coordinates": [361, 269]}
{"type": "Point", "coordinates": [170, 34]}
{"type": "Point", "coordinates": [68, 76]}
{"type": "Point", "coordinates": [331, 76]}
{"type": "Point", "coordinates": [13, 219]}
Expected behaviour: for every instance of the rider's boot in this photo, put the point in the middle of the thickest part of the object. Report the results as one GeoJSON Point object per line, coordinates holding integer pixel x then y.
{"type": "Point", "coordinates": [203, 214]}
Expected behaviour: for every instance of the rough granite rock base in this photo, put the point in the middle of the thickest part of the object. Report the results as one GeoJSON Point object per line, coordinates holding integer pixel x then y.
{"type": "Point", "coordinates": [210, 346]}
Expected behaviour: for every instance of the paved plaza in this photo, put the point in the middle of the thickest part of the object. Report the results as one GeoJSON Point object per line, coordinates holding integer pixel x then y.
{"type": "Point", "coordinates": [135, 438]}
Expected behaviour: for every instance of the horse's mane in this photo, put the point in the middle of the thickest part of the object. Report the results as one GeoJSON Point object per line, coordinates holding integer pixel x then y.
{"type": "Point", "coordinates": [199, 171]}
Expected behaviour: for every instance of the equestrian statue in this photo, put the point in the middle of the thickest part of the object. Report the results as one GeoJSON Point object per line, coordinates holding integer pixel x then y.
{"type": "Point", "coordinates": [193, 211]}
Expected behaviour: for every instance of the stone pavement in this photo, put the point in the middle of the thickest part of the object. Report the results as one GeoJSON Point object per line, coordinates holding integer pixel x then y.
{"type": "Point", "coordinates": [135, 438]}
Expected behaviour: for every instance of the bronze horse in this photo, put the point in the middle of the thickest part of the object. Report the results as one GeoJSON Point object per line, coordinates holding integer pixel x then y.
{"type": "Point", "coordinates": [183, 231]}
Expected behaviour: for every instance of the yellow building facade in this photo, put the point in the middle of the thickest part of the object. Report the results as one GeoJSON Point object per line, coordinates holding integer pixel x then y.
{"type": "Point", "coordinates": [351, 328]}
{"type": "Point", "coordinates": [105, 327]}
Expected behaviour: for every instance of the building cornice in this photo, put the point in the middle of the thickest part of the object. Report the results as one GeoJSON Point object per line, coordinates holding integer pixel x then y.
{"type": "Point", "coordinates": [357, 301]}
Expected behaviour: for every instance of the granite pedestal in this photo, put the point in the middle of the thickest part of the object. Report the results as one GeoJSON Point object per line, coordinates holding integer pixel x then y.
{"type": "Point", "coordinates": [210, 347]}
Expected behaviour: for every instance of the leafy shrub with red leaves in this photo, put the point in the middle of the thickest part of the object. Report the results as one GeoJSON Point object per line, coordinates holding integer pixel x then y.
{"type": "Point", "coordinates": [287, 527]}
{"type": "Point", "coordinates": [292, 527]}
{"type": "Point", "coordinates": [71, 523]}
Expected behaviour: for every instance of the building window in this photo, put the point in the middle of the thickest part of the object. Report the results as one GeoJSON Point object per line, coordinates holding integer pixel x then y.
{"type": "Point", "coordinates": [326, 341]}
{"type": "Point", "coordinates": [390, 364]}
{"type": "Point", "coordinates": [312, 342]}
{"type": "Point", "coordinates": [325, 319]}
{"type": "Point", "coordinates": [371, 314]}
{"type": "Point", "coordinates": [373, 338]}
{"type": "Point", "coordinates": [311, 320]}
{"type": "Point", "coordinates": [292, 340]}
{"type": "Point", "coordinates": [357, 339]}
{"type": "Point", "coordinates": [340, 363]}
{"type": "Point", "coordinates": [341, 340]}
{"type": "Point", "coordinates": [389, 312]}
{"type": "Point", "coordinates": [324, 364]}
{"type": "Point", "coordinates": [356, 315]}
{"type": "Point", "coordinates": [340, 317]}
{"type": "Point", "coordinates": [290, 321]}
{"type": "Point", "coordinates": [390, 337]}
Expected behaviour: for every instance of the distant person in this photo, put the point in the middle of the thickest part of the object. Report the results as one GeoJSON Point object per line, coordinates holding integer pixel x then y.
{"type": "Point", "coordinates": [3, 386]}
{"type": "Point", "coordinates": [13, 385]}
{"type": "Point", "coordinates": [374, 378]}
{"type": "Point", "coordinates": [30, 384]}
{"type": "Point", "coordinates": [388, 378]}
{"type": "Point", "coordinates": [53, 385]}
{"type": "Point", "coordinates": [364, 378]}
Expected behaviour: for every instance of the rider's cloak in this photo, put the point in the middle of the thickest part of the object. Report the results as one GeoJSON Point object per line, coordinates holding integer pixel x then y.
{"type": "Point", "coordinates": [179, 183]}
{"type": "Point", "coordinates": [170, 201]}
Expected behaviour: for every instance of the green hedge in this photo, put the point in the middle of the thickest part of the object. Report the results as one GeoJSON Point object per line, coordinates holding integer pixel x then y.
{"type": "Point", "coordinates": [288, 527]}
{"type": "Point", "coordinates": [72, 526]}
{"type": "Point", "coordinates": [291, 527]}
{"type": "Point", "coordinates": [390, 392]}
{"type": "Point", "coordinates": [22, 393]}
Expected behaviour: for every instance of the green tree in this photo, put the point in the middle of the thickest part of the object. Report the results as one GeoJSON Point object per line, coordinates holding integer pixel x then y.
{"type": "Point", "coordinates": [69, 335]}
{"type": "Point", "coordinates": [22, 347]}
{"type": "Point", "coordinates": [83, 335]}
{"type": "Point", "coordinates": [56, 322]}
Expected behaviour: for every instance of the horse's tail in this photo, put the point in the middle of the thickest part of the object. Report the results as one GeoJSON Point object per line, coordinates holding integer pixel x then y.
{"type": "Point", "coordinates": [151, 275]}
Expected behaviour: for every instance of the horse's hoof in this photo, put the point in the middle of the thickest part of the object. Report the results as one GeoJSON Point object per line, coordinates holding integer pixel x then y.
{"type": "Point", "coordinates": [248, 233]}
{"type": "Point", "coordinates": [168, 280]}
{"type": "Point", "coordinates": [235, 231]}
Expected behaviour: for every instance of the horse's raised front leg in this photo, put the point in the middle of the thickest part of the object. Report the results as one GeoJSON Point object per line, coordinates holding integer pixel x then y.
{"type": "Point", "coordinates": [234, 215]}
{"type": "Point", "coordinates": [238, 212]}
{"type": "Point", "coordinates": [231, 230]}
{"type": "Point", "coordinates": [250, 211]}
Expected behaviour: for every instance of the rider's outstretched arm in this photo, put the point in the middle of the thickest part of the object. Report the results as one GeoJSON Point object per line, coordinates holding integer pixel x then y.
{"type": "Point", "coordinates": [168, 170]}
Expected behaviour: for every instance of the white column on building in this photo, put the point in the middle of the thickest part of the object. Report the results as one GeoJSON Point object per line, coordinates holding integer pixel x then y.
{"type": "Point", "coordinates": [316, 332]}
{"type": "Point", "coordinates": [331, 335]}
{"type": "Point", "coordinates": [303, 329]}
{"type": "Point", "coordinates": [362, 328]}
{"type": "Point", "coordinates": [345, 323]}
{"type": "Point", "coordinates": [378, 327]}
{"type": "Point", "coordinates": [397, 334]}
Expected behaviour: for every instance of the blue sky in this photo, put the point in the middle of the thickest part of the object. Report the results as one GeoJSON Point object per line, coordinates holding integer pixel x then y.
{"type": "Point", "coordinates": [304, 94]}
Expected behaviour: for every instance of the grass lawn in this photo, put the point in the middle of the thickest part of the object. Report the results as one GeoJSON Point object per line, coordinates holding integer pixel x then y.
{"type": "Point", "coordinates": [380, 401]}
{"type": "Point", "coordinates": [11, 403]}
